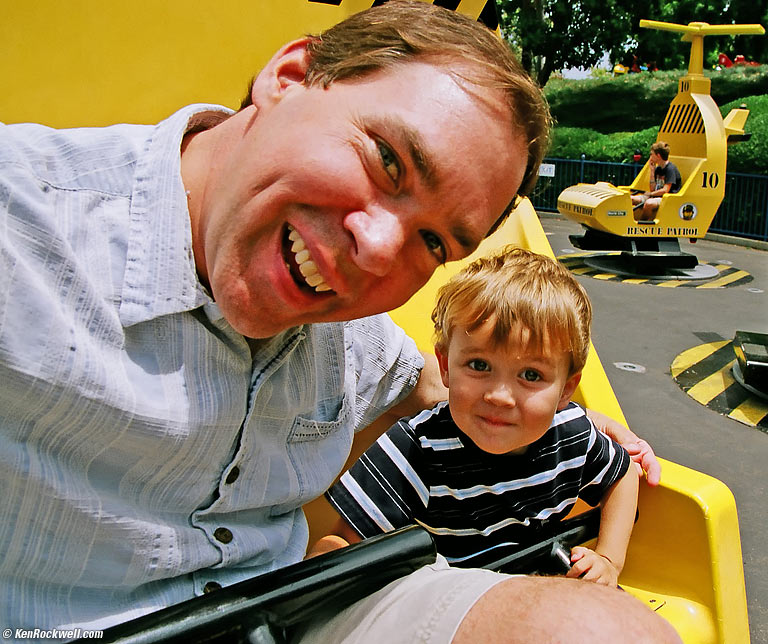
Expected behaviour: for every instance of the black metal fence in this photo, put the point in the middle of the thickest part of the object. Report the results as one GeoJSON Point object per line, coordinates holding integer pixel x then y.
{"type": "Point", "coordinates": [743, 212]}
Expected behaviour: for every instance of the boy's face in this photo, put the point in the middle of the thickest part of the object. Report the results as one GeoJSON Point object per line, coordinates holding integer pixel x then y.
{"type": "Point", "coordinates": [503, 397]}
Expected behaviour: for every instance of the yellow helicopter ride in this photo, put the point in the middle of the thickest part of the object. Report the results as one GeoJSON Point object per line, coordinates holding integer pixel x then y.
{"type": "Point", "coordinates": [684, 558]}
{"type": "Point", "coordinates": [698, 137]}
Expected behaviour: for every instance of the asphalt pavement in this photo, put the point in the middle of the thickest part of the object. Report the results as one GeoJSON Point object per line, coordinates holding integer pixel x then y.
{"type": "Point", "coordinates": [638, 331]}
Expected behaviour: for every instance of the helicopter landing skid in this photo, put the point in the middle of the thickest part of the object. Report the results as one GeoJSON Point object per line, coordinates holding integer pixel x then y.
{"type": "Point", "coordinates": [647, 266]}
{"type": "Point", "coordinates": [646, 257]}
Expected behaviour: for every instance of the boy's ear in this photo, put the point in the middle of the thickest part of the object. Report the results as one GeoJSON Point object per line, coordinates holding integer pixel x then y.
{"type": "Point", "coordinates": [442, 362]}
{"type": "Point", "coordinates": [568, 389]}
{"type": "Point", "coordinates": [286, 69]}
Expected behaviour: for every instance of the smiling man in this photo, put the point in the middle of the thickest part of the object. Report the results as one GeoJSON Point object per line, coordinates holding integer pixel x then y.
{"type": "Point", "coordinates": [188, 315]}
{"type": "Point", "coordinates": [319, 197]}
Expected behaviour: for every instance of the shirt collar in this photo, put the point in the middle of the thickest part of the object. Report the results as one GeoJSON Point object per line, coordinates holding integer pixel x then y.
{"type": "Point", "coordinates": [160, 274]}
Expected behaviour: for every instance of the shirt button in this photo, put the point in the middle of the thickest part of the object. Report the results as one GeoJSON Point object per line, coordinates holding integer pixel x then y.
{"type": "Point", "coordinates": [232, 476]}
{"type": "Point", "coordinates": [223, 535]}
{"type": "Point", "coordinates": [211, 586]}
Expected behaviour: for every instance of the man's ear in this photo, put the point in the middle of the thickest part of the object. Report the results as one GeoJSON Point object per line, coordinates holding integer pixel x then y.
{"type": "Point", "coordinates": [568, 389]}
{"type": "Point", "coordinates": [286, 69]}
{"type": "Point", "coordinates": [442, 362]}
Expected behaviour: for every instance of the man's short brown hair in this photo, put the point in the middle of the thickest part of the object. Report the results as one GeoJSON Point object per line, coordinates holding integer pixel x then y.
{"type": "Point", "coordinates": [402, 30]}
{"type": "Point", "coordinates": [526, 296]}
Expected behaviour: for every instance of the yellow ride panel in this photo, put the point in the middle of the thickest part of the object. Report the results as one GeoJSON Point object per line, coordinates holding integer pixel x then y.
{"type": "Point", "coordinates": [89, 63]}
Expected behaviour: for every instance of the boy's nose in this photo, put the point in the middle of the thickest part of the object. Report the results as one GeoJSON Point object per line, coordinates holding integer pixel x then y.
{"type": "Point", "coordinates": [500, 395]}
{"type": "Point", "coordinates": [379, 239]}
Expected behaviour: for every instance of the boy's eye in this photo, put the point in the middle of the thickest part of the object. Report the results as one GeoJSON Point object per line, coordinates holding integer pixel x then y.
{"type": "Point", "coordinates": [434, 245]}
{"type": "Point", "coordinates": [390, 161]}
{"type": "Point", "coordinates": [479, 365]}
{"type": "Point", "coordinates": [531, 376]}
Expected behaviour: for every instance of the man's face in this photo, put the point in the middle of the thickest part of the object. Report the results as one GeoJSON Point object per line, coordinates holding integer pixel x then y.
{"type": "Point", "coordinates": [339, 203]}
{"type": "Point", "coordinates": [503, 398]}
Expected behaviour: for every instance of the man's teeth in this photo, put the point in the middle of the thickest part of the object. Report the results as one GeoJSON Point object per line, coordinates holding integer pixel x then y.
{"type": "Point", "coordinates": [307, 267]}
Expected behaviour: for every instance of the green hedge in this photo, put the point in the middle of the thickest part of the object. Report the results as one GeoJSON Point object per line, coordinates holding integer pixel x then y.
{"type": "Point", "coordinates": [634, 102]}
{"type": "Point", "coordinates": [749, 156]}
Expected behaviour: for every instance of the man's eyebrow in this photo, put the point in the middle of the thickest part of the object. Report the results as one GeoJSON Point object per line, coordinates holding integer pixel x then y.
{"type": "Point", "coordinates": [465, 237]}
{"type": "Point", "coordinates": [420, 156]}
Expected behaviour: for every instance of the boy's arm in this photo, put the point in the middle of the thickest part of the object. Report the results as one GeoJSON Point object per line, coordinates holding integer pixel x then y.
{"type": "Point", "coordinates": [617, 517]}
{"type": "Point", "coordinates": [340, 536]}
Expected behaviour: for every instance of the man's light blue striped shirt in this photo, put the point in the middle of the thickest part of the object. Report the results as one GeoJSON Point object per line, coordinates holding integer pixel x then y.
{"type": "Point", "coordinates": [144, 451]}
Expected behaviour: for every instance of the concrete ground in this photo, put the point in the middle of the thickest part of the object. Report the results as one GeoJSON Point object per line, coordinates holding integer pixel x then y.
{"type": "Point", "coordinates": [649, 326]}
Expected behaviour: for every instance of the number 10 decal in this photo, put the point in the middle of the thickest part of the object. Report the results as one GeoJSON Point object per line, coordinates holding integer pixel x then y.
{"type": "Point", "coordinates": [710, 180]}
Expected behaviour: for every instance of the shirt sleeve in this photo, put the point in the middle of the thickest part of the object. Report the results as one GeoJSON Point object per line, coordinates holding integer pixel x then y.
{"type": "Point", "coordinates": [606, 463]}
{"type": "Point", "coordinates": [386, 365]}
{"type": "Point", "coordinates": [384, 490]}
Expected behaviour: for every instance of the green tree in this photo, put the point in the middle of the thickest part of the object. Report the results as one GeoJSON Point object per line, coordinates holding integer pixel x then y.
{"type": "Point", "coordinates": [551, 34]}
{"type": "Point", "coordinates": [752, 47]}
{"type": "Point", "coordinates": [668, 51]}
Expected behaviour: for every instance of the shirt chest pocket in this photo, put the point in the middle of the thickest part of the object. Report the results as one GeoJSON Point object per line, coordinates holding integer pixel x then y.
{"type": "Point", "coordinates": [317, 449]}
{"type": "Point", "coordinates": [329, 417]}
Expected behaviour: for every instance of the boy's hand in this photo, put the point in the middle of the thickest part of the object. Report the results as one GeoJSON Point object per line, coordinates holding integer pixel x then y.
{"type": "Point", "coordinates": [591, 566]}
{"type": "Point", "coordinates": [645, 460]}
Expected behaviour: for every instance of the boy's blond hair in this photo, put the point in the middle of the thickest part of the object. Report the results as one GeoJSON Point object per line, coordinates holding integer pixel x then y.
{"type": "Point", "coordinates": [529, 298]}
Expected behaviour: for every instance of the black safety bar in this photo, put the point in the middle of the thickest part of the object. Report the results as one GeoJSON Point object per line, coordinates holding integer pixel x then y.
{"type": "Point", "coordinates": [550, 553]}
{"type": "Point", "coordinates": [261, 608]}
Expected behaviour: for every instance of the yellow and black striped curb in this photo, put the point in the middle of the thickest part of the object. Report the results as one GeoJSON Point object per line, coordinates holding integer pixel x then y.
{"type": "Point", "coordinates": [726, 275]}
{"type": "Point", "coordinates": [704, 373]}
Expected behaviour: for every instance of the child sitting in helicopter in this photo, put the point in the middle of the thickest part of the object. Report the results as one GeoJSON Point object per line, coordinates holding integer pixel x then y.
{"type": "Point", "coordinates": [665, 178]}
{"type": "Point", "coordinates": [508, 452]}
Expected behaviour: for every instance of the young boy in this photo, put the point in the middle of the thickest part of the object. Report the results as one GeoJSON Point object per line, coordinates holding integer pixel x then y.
{"type": "Point", "coordinates": [665, 178]}
{"type": "Point", "coordinates": [508, 452]}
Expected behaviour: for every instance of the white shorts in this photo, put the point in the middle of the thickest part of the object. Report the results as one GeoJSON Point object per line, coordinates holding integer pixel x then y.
{"type": "Point", "coordinates": [427, 606]}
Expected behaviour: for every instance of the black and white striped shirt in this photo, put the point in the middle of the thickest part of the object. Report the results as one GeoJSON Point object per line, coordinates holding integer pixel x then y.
{"type": "Point", "coordinates": [477, 506]}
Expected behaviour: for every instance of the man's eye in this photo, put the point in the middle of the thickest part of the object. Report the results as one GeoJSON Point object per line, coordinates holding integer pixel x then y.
{"type": "Point", "coordinates": [531, 376]}
{"type": "Point", "coordinates": [390, 161]}
{"type": "Point", "coordinates": [479, 365]}
{"type": "Point", "coordinates": [434, 245]}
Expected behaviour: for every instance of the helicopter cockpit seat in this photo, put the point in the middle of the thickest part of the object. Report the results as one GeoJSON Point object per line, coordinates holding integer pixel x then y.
{"type": "Point", "coordinates": [689, 168]}
{"type": "Point", "coordinates": [604, 207]}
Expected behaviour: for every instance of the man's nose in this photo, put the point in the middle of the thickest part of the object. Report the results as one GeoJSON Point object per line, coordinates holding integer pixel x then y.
{"type": "Point", "coordinates": [379, 239]}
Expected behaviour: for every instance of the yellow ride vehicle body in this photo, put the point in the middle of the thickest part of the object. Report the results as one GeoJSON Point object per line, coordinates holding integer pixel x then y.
{"type": "Point", "coordinates": [698, 139]}
{"type": "Point", "coordinates": [84, 63]}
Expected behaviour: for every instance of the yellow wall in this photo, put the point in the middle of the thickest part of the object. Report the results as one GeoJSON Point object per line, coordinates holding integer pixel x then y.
{"type": "Point", "coordinates": [69, 63]}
